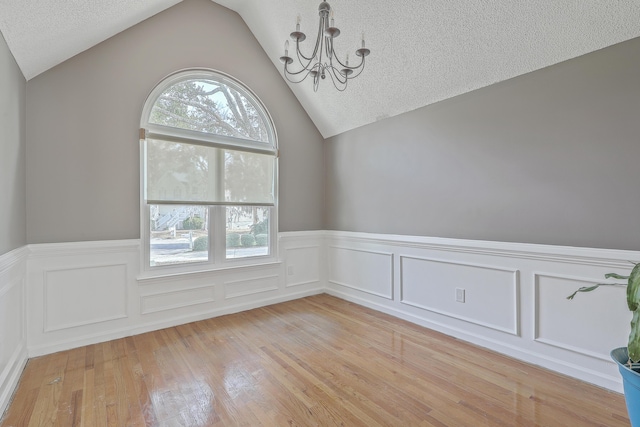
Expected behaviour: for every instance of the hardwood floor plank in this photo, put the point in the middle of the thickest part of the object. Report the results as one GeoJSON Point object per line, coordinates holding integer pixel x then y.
{"type": "Point", "coordinates": [45, 410]}
{"type": "Point", "coordinates": [100, 402]}
{"type": "Point", "coordinates": [317, 361]}
{"type": "Point", "coordinates": [87, 418]}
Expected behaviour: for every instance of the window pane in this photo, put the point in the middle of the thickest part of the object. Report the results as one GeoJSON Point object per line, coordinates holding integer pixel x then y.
{"type": "Point", "coordinates": [178, 234]}
{"type": "Point", "coordinates": [209, 106]}
{"type": "Point", "coordinates": [247, 231]}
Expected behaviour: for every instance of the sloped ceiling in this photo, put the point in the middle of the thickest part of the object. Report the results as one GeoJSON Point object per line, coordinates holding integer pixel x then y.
{"type": "Point", "coordinates": [421, 51]}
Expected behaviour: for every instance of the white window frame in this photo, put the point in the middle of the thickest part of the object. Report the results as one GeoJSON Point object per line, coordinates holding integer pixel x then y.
{"type": "Point", "coordinates": [217, 213]}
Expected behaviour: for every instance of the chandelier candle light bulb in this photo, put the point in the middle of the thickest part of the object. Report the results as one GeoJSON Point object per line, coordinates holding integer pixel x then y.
{"type": "Point", "coordinates": [322, 60]}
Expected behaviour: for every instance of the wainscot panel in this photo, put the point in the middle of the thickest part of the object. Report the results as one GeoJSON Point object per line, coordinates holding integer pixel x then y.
{"type": "Point", "coordinates": [252, 286]}
{"type": "Point", "coordinates": [83, 296]}
{"type": "Point", "coordinates": [508, 297]}
{"type": "Point", "coordinates": [302, 265]}
{"type": "Point", "coordinates": [303, 259]}
{"type": "Point", "coordinates": [363, 270]}
{"type": "Point", "coordinates": [87, 292]}
{"type": "Point", "coordinates": [80, 293]}
{"type": "Point", "coordinates": [13, 317]}
{"type": "Point", "coordinates": [163, 301]}
{"type": "Point", "coordinates": [559, 322]}
{"type": "Point", "coordinates": [481, 294]}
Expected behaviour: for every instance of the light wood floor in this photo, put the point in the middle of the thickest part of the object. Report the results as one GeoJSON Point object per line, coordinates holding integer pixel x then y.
{"type": "Point", "coordinates": [318, 361]}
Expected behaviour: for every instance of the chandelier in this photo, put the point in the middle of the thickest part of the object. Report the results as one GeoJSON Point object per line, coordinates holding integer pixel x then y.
{"type": "Point", "coordinates": [323, 61]}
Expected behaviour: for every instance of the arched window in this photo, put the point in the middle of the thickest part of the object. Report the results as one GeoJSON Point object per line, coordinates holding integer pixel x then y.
{"type": "Point", "coordinates": [209, 170]}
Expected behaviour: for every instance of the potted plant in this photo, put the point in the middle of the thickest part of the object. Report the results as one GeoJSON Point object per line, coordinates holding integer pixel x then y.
{"type": "Point", "coordinates": [627, 358]}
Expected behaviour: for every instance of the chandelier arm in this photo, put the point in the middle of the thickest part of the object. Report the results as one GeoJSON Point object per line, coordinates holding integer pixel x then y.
{"type": "Point", "coordinates": [358, 72]}
{"type": "Point", "coordinates": [315, 49]}
{"type": "Point", "coordinates": [307, 65]}
{"type": "Point", "coordinates": [340, 62]}
{"type": "Point", "coordinates": [305, 70]}
{"type": "Point", "coordinates": [288, 75]}
{"type": "Point", "coordinates": [350, 67]}
{"type": "Point", "coordinates": [334, 77]}
{"type": "Point", "coordinates": [329, 47]}
{"type": "Point", "coordinates": [295, 73]}
{"type": "Point", "coordinates": [302, 56]}
{"type": "Point", "coordinates": [338, 75]}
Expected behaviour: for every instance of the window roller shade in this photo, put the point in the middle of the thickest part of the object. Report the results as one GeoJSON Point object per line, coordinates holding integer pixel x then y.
{"type": "Point", "coordinates": [184, 173]}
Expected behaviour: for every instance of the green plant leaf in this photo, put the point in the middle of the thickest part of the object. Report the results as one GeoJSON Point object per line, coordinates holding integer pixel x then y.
{"type": "Point", "coordinates": [615, 276]}
{"type": "Point", "coordinates": [592, 288]}
{"type": "Point", "coordinates": [633, 346]}
{"type": "Point", "coordinates": [633, 288]}
{"type": "Point", "coordinates": [633, 301]}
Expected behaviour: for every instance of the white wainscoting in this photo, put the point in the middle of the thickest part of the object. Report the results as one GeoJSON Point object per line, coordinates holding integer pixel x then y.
{"type": "Point", "coordinates": [13, 334]}
{"type": "Point", "coordinates": [514, 295]}
{"type": "Point", "coordinates": [87, 292]}
{"type": "Point", "coordinates": [59, 296]}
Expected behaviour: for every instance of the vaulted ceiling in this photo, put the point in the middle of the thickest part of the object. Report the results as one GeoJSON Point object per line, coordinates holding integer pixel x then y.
{"type": "Point", "coordinates": [422, 51]}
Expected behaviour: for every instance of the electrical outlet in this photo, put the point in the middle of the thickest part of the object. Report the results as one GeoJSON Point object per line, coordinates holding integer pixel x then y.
{"type": "Point", "coordinates": [460, 295]}
{"type": "Point", "coordinates": [290, 270]}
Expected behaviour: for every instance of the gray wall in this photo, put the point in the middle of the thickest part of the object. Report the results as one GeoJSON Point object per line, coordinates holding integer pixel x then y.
{"type": "Point", "coordinates": [83, 118]}
{"type": "Point", "coordinates": [12, 152]}
{"type": "Point", "coordinates": [549, 157]}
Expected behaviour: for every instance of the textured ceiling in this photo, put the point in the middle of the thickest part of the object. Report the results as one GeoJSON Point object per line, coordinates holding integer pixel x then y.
{"type": "Point", "coordinates": [421, 51]}
{"type": "Point", "coordinates": [44, 33]}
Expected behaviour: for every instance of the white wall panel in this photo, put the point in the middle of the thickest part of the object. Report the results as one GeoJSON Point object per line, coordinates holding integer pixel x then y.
{"type": "Point", "coordinates": [80, 293]}
{"type": "Point", "coordinates": [363, 270]}
{"type": "Point", "coordinates": [590, 324]}
{"type": "Point", "coordinates": [164, 301]}
{"type": "Point", "coordinates": [246, 287]}
{"type": "Point", "coordinates": [490, 293]}
{"type": "Point", "coordinates": [302, 265]}
{"type": "Point", "coordinates": [82, 296]}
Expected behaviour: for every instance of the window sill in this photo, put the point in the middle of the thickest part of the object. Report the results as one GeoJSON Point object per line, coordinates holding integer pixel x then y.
{"type": "Point", "coordinates": [150, 276]}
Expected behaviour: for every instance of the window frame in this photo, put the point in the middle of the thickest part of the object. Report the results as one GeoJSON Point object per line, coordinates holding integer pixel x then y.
{"type": "Point", "coordinates": [217, 213]}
